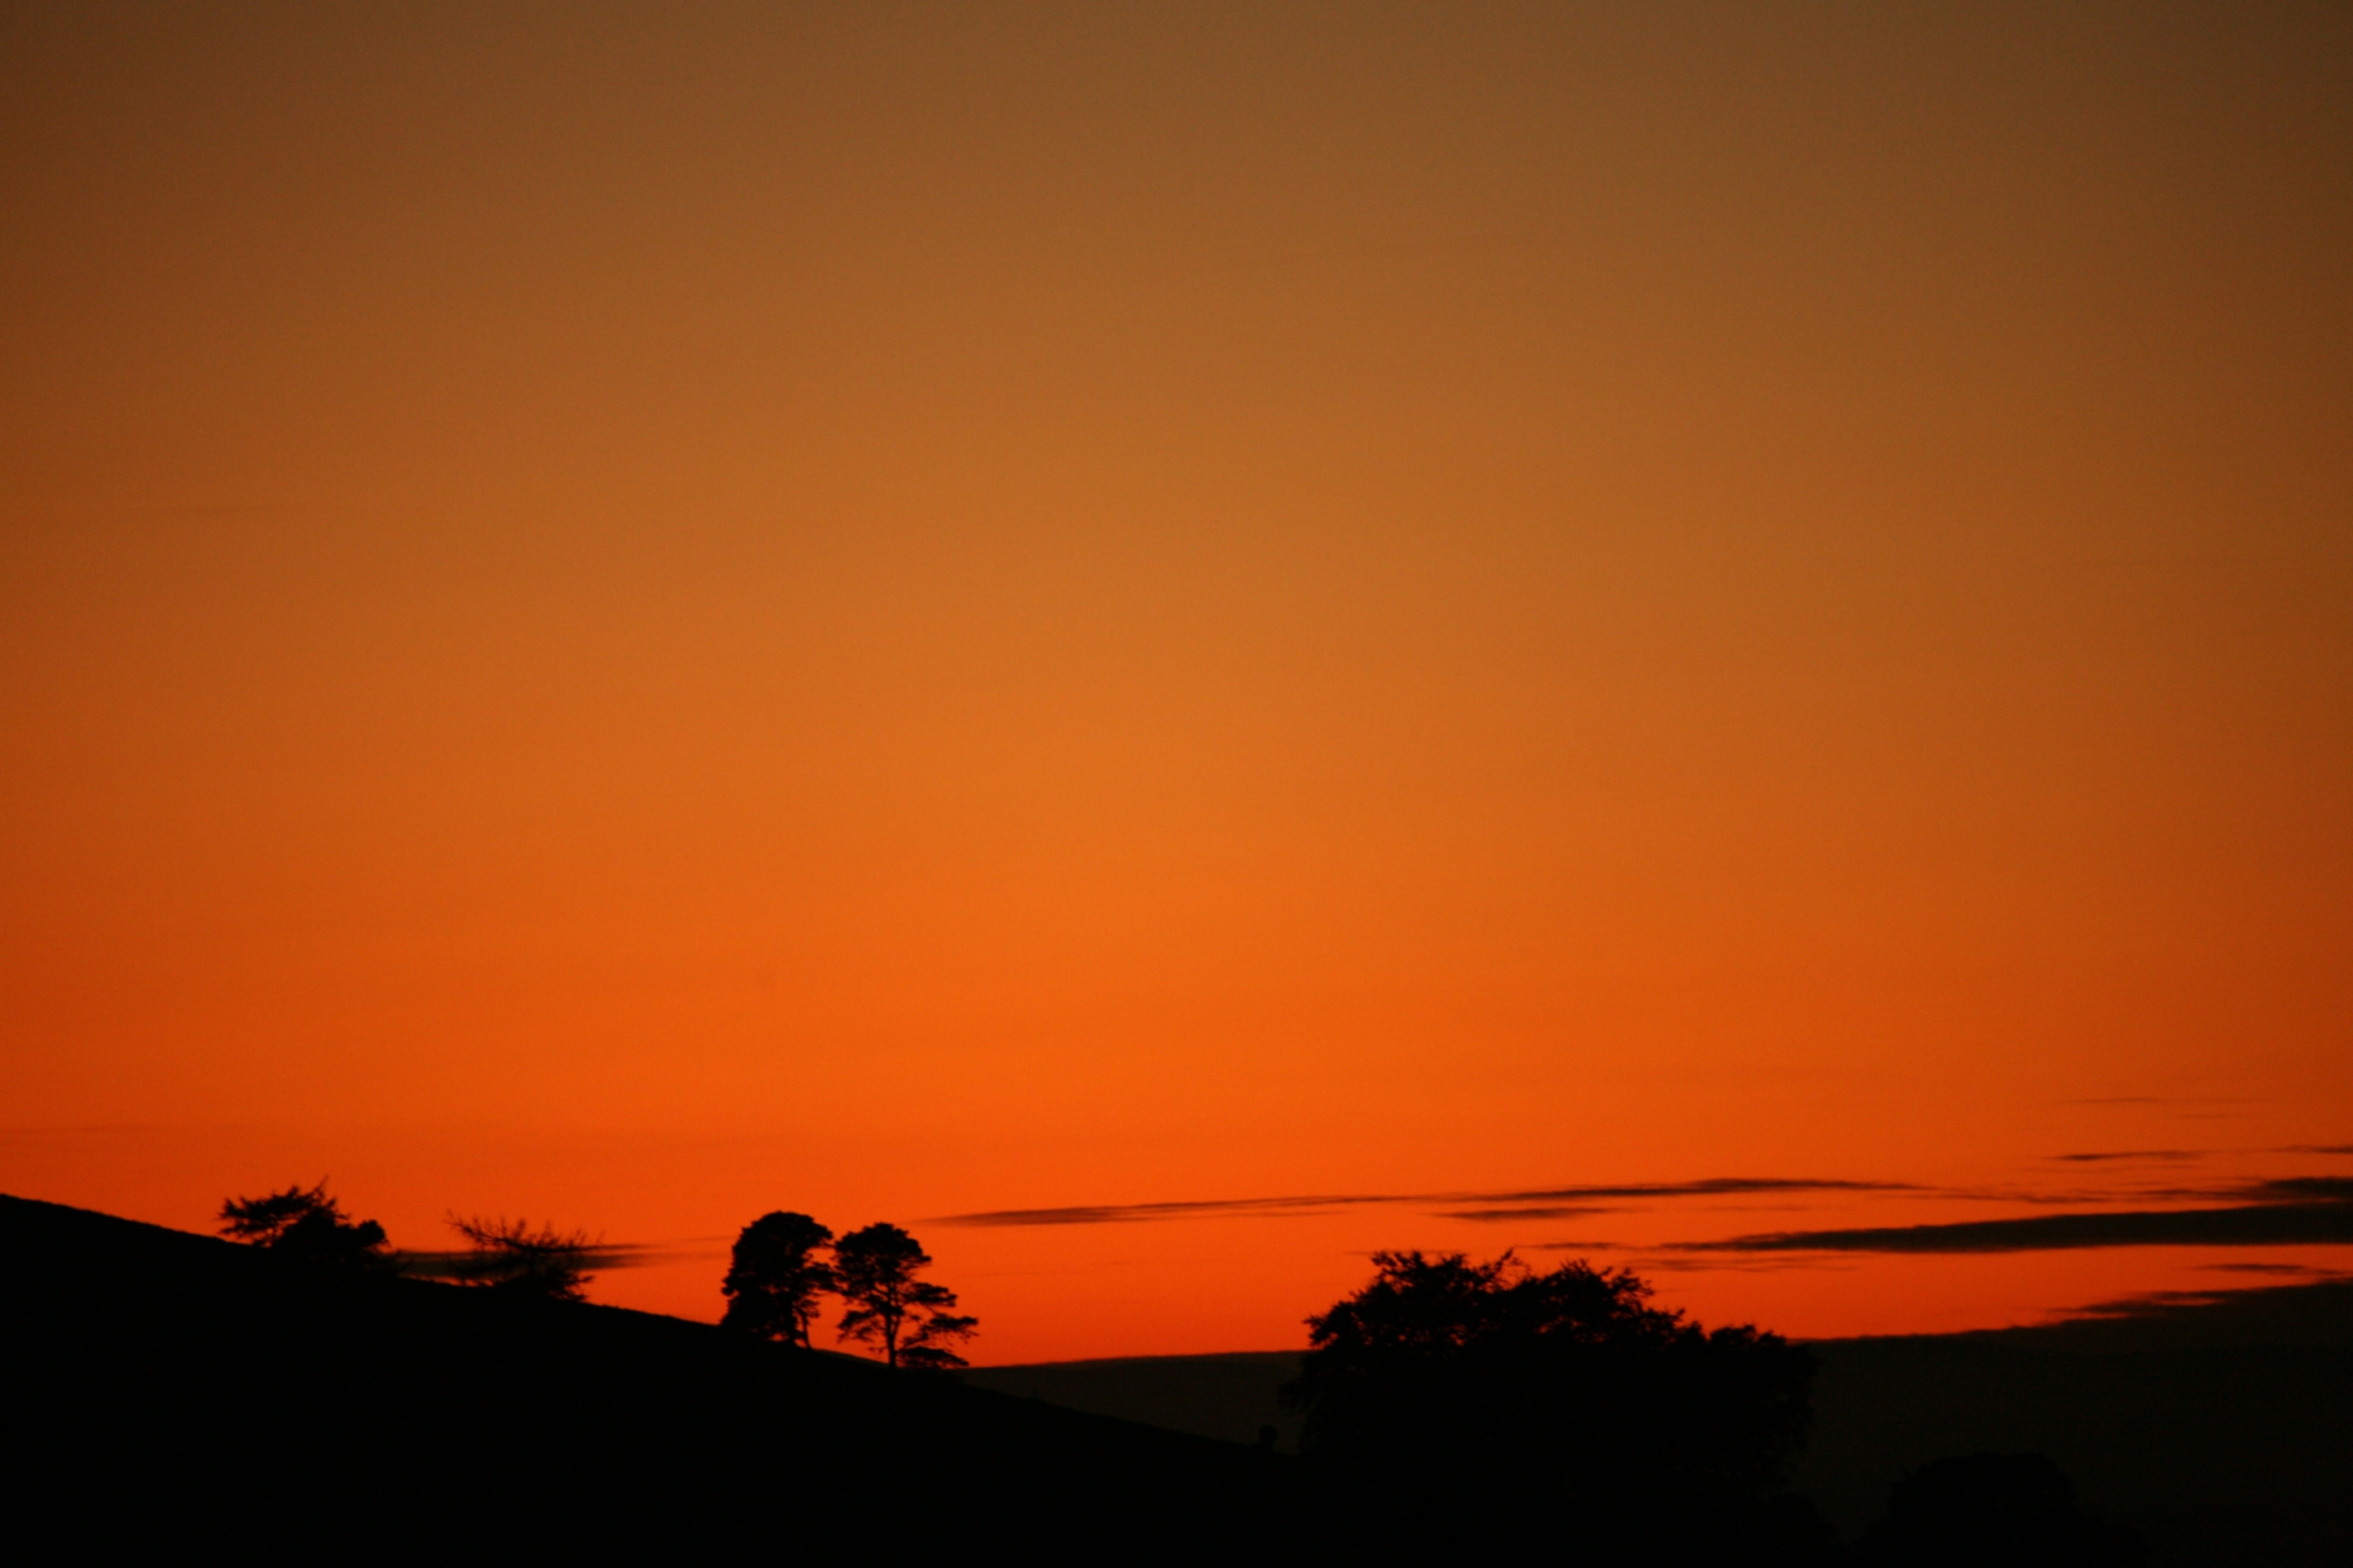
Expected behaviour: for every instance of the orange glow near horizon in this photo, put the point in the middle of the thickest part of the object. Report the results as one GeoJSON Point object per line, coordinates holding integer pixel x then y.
{"type": "Point", "coordinates": [637, 618]}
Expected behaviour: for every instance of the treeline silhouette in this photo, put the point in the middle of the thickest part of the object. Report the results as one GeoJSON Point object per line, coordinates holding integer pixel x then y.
{"type": "Point", "coordinates": [1450, 1406]}
{"type": "Point", "coordinates": [1556, 1406]}
{"type": "Point", "coordinates": [1560, 1408]}
{"type": "Point", "coordinates": [783, 1266]}
{"type": "Point", "coordinates": [1574, 1421]}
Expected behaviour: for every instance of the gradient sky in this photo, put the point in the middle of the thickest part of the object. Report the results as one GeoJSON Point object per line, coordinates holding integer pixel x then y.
{"type": "Point", "coordinates": [641, 615]}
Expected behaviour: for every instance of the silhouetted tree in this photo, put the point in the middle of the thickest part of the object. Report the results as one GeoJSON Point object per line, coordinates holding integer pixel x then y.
{"type": "Point", "coordinates": [776, 1276]}
{"type": "Point", "coordinates": [304, 1222]}
{"type": "Point", "coordinates": [1448, 1386]}
{"type": "Point", "coordinates": [512, 1255]}
{"type": "Point", "coordinates": [2016, 1510]}
{"type": "Point", "coordinates": [875, 1271]}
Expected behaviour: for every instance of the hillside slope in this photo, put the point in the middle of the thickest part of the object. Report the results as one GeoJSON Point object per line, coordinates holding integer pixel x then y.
{"type": "Point", "coordinates": [168, 1386]}
{"type": "Point", "coordinates": [2215, 1454]}
{"type": "Point", "coordinates": [1232, 1396]}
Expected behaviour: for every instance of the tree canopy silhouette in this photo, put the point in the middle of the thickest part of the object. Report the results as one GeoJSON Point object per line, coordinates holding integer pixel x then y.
{"type": "Point", "coordinates": [515, 1257]}
{"type": "Point", "coordinates": [304, 1222]}
{"type": "Point", "coordinates": [1447, 1384]}
{"type": "Point", "coordinates": [777, 1275]}
{"type": "Point", "coordinates": [887, 1305]}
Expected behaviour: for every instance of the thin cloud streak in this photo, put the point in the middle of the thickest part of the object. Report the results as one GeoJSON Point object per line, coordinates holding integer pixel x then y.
{"type": "Point", "coordinates": [2307, 1189]}
{"type": "Point", "coordinates": [2132, 1154]}
{"type": "Point", "coordinates": [2296, 1270]}
{"type": "Point", "coordinates": [1118, 1214]}
{"type": "Point", "coordinates": [2272, 1189]}
{"type": "Point", "coordinates": [2250, 1224]}
{"type": "Point", "coordinates": [1713, 1186]}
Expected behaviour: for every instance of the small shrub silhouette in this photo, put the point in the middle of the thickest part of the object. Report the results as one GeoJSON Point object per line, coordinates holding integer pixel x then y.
{"type": "Point", "coordinates": [305, 1223]}
{"type": "Point", "coordinates": [521, 1259]}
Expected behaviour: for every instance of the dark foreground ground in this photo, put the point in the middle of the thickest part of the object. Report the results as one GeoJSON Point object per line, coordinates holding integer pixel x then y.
{"type": "Point", "coordinates": [2222, 1432]}
{"type": "Point", "coordinates": [164, 1391]}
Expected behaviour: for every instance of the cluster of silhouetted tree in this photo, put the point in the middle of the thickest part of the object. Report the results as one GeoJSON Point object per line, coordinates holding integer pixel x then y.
{"type": "Point", "coordinates": [783, 1269]}
{"type": "Point", "coordinates": [1561, 1414]}
{"type": "Point", "coordinates": [785, 1264]}
{"type": "Point", "coordinates": [1557, 1406]}
{"type": "Point", "coordinates": [307, 1225]}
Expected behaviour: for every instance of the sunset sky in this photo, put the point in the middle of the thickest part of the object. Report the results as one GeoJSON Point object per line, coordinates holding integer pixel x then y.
{"type": "Point", "coordinates": [1170, 643]}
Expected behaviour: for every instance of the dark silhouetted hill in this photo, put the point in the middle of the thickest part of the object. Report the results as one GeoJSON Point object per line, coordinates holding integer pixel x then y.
{"type": "Point", "coordinates": [2220, 1429]}
{"type": "Point", "coordinates": [163, 1388]}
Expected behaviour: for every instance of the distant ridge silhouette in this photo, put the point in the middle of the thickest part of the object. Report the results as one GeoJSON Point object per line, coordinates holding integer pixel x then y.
{"type": "Point", "coordinates": [2214, 1424]}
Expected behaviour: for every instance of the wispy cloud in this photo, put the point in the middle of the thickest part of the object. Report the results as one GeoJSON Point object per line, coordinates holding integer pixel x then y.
{"type": "Point", "coordinates": [2308, 1222]}
{"type": "Point", "coordinates": [1118, 1214]}
{"type": "Point", "coordinates": [2130, 1156]}
{"type": "Point", "coordinates": [1713, 1186]}
{"type": "Point", "coordinates": [2291, 1270]}
{"type": "Point", "coordinates": [1540, 1203]}
{"type": "Point", "coordinates": [2302, 1189]}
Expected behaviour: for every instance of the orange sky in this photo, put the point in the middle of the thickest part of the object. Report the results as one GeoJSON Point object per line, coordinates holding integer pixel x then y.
{"type": "Point", "coordinates": [642, 615]}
